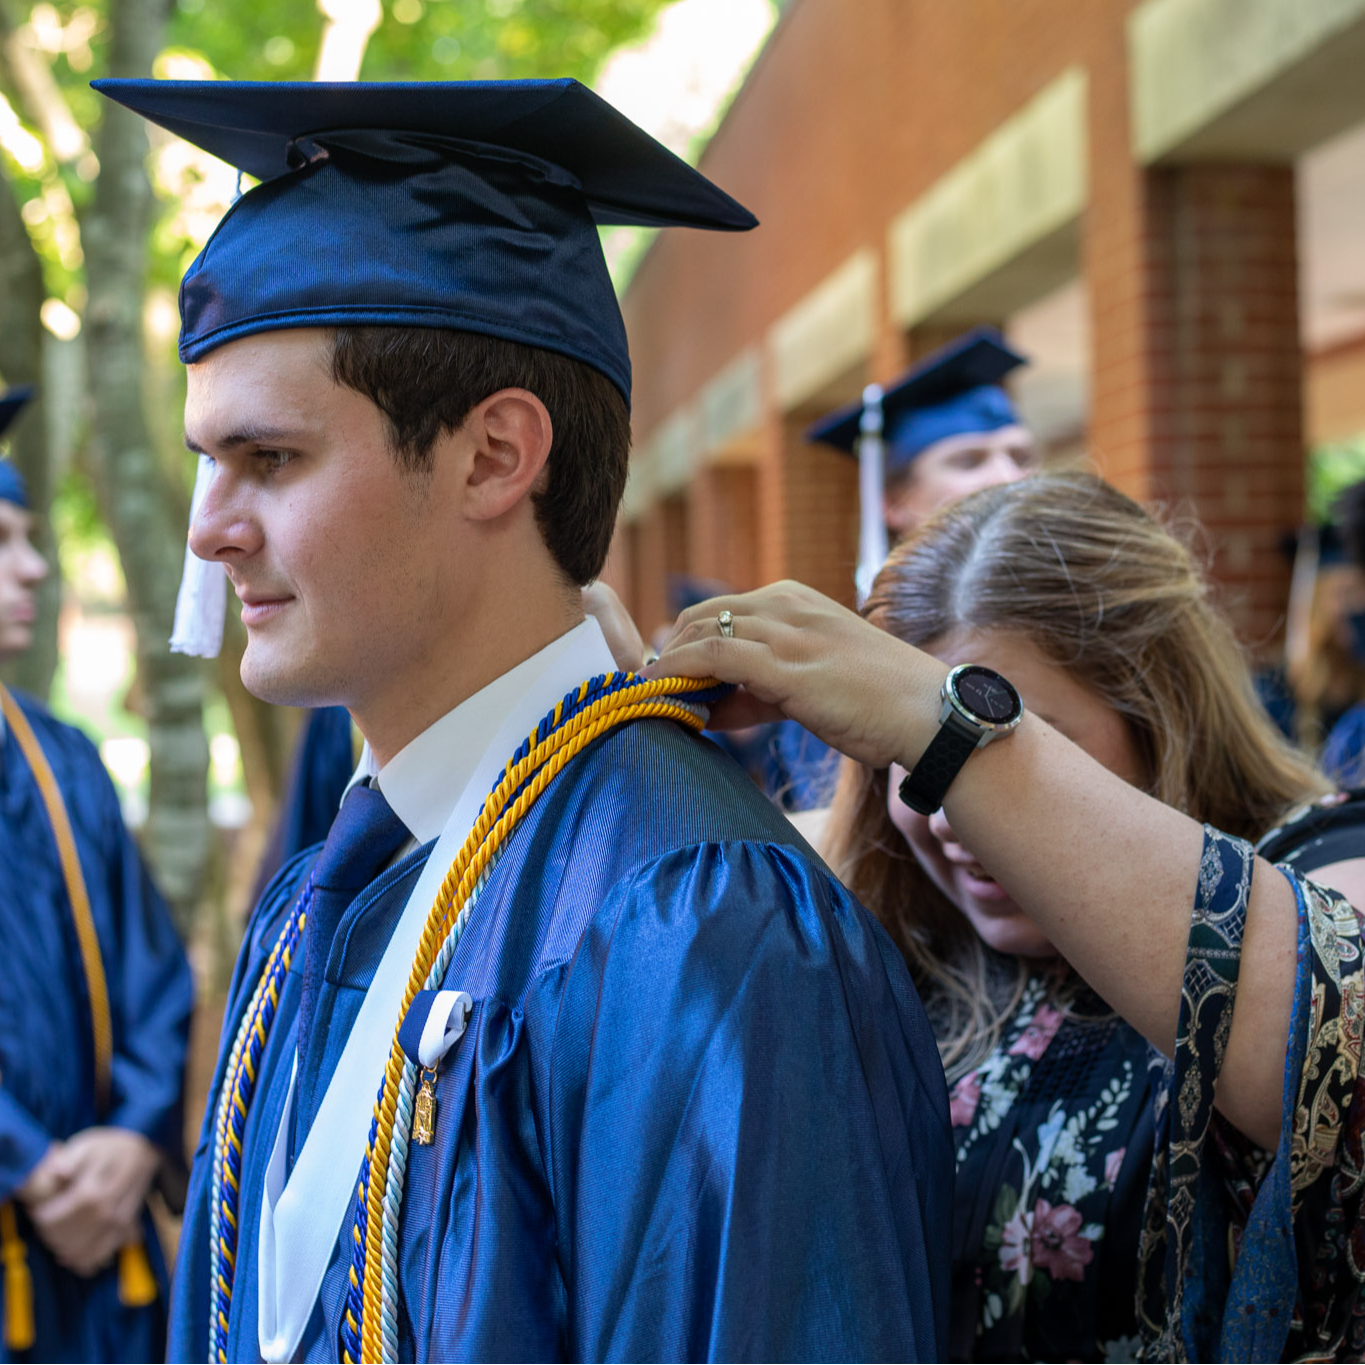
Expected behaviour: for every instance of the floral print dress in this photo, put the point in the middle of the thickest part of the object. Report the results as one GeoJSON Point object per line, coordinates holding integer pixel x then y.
{"type": "Point", "coordinates": [1105, 1210]}
{"type": "Point", "coordinates": [1054, 1136]}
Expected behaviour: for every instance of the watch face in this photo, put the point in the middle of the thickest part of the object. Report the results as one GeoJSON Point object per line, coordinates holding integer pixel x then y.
{"type": "Point", "coordinates": [986, 694]}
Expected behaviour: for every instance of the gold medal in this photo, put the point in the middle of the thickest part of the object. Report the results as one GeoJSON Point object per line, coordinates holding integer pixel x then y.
{"type": "Point", "coordinates": [424, 1110]}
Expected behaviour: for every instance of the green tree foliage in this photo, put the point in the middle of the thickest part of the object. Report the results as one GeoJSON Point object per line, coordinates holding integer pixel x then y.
{"type": "Point", "coordinates": [417, 40]}
{"type": "Point", "coordinates": [1332, 468]}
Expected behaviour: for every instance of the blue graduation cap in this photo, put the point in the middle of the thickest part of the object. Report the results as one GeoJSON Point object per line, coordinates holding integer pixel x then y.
{"type": "Point", "coordinates": [953, 392]}
{"type": "Point", "coordinates": [471, 205]}
{"type": "Point", "coordinates": [687, 590]}
{"type": "Point", "coordinates": [11, 481]}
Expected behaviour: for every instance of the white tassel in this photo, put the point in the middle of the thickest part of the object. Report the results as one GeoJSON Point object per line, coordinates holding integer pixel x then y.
{"type": "Point", "coordinates": [202, 604]}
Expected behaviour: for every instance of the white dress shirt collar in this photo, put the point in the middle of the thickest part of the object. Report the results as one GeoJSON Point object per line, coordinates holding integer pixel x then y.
{"type": "Point", "coordinates": [426, 779]}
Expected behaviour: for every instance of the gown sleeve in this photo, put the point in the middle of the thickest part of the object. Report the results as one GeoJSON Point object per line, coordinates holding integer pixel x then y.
{"type": "Point", "coordinates": [23, 1140]}
{"type": "Point", "coordinates": [748, 1147]}
{"type": "Point", "coordinates": [1248, 1254]}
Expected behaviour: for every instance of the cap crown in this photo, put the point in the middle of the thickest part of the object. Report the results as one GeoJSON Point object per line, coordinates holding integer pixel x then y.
{"type": "Point", "coordinates": [955, 391]}
{"type": "Point", "coordinates": [468, 205]}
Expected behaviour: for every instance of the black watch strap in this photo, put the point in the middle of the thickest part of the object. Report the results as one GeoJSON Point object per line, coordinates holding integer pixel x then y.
{"type": "Point", "coordinates": [924, 788]}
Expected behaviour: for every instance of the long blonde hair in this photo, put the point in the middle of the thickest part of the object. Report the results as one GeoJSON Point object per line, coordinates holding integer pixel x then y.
{"type": "Point", "coordinates": [1101, 589]}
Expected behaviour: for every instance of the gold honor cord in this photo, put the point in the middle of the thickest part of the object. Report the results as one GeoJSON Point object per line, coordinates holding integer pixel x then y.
{"type": "Point", "coordinates": [100, 1021]}
{"type": "Point", "coordinates": [137, 1284]}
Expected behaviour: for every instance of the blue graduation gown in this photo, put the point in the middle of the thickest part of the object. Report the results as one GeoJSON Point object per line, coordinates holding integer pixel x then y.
{"type": "Point", "coordinates": [46, 1049]}
{"type": "Point", "coordinates": [697, 1112]}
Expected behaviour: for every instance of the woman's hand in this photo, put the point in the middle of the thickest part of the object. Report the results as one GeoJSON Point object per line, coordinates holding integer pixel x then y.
{"type": "Point", "coordinates": [798, 654]}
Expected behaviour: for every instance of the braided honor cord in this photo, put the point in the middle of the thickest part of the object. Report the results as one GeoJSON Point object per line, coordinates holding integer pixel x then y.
{"type": "Point", "coordinates": [229, 1125]}
{"type": "Point", "coordinates": [369, 1326]}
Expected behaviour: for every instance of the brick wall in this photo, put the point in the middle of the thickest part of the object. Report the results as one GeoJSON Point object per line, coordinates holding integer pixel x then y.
{"type": "Point", "coordinates": [851, 113]}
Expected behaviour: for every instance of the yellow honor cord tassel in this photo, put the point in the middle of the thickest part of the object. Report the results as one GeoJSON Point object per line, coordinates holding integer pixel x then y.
{"type": "Point", "coordinates": [137, 1285]}
{"type": "Point", "coordinates": [19, 1329]}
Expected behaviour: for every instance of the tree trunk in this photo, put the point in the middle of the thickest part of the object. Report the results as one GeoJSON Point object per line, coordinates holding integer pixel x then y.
{"type": "Point", "coordinates": [21, 362]}
{"type": "Point", "coordinates": [146, 514]}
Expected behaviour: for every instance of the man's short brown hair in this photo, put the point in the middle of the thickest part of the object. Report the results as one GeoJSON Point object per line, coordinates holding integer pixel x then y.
{"type": "Point", "coordinates": [428, 380]}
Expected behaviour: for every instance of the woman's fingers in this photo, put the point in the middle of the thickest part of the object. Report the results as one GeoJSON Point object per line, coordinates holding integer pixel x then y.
{"type": "Point", "coordinates": [778, 605]}
{"type": "Point", "coordinates": [623, 638]}
{"type": "Point", "coordinates": [797, 653]}
{"type": "Point", "coordinates": [746, 663]}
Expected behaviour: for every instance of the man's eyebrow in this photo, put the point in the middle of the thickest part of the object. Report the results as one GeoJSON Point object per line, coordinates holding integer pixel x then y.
{"type": "Point", "coordinates": [246, 436]}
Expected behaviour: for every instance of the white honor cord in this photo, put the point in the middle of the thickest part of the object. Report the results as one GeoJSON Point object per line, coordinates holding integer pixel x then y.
{"type": "Point", "coordinates": [444, 1026]}
{"type": "Point", "coordinates": [202, 603]}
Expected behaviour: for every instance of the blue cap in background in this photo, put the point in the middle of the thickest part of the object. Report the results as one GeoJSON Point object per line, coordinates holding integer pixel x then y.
{"type": "Point", "coordinates": [471, 205]}
{"type": "Point", "coordinates": [953, 392]}
{"type": "Point", "coordinates": [11, 481]}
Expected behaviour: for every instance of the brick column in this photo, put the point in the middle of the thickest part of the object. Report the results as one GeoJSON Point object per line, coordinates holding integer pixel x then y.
{"type": "Point", "coordinates": [650, 604]}
{"type": "Point", "coordinates": [619, 571]}
{"type": "Point", "coordinates": [820, 513]}
{"type": "Point", "coordinates": [722, 525]}
{"type": "Point", "coordinates": [1198, 376]}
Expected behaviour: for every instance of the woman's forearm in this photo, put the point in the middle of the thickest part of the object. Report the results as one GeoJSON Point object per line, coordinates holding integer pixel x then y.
{"type": "Point", "coordinates": [1109, 875]}
{"type": "Point", "coordinates": [1107, 872]}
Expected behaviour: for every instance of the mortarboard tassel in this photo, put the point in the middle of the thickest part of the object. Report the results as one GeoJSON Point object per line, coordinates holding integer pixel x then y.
{"type": "Point", "coordinates": [19, 1329]}
{"type": "Point", "coordinates": [202, 602]}
{"type": "Point", "coordinates": [871, 487]}
{"type": "Point", "coordinates": [136, 1283]}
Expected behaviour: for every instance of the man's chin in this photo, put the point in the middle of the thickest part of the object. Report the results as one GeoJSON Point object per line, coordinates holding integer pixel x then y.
{"type": "Point", "coordinates": [15, 638]}
{"type": "Point", "coordinates": [279, 681]}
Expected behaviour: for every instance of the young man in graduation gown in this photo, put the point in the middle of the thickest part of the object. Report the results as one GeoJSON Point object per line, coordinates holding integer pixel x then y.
{"type": "Point", "coordinates": [947, 428]}
{"type": "Point", "coordinates": [653, 1085]}
{"type": "Point", "coordinates": [95, 997]}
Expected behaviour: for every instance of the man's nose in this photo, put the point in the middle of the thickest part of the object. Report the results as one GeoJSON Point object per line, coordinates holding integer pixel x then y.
{"type": "Point", "coordinates": [34, 568]}
{"type": "Point", "coordinates": [1010, 466]}
{"type": "Point", "coordinates": [222, 527]}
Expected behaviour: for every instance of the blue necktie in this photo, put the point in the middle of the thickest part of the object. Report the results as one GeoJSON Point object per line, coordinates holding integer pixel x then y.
{"type": "Point", "coordinates": [363, 838]}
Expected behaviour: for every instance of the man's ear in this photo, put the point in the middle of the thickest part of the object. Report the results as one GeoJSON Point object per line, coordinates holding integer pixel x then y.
{"type": "Point", "coordinates": [511, 434]}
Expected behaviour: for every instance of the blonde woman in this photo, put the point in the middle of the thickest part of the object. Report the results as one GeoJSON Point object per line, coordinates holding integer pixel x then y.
{"type": "Point", "coordinates": [1099, 1198]}
{"type": "Point", "coordinates": [1103, 623]}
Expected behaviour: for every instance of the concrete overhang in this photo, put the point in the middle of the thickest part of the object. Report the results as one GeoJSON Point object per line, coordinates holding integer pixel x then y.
{"type": "Point", "coordinates": [1002, 228]}
{"type": "Point", "coordinates": [1228, 80]}
{"type": "Point", "coordinates": [731, 407]}
{"type": "Point", "coordinates": [830, 331]}
{"type": "Point", "coordinates": [721, 427]}
{"type": "Point", "coordinates": [675, 452]}
{"type": "Point", "coordinates": [638, 497]}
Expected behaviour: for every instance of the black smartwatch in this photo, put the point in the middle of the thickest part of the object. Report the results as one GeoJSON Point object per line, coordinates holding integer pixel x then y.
{"type": "Point", "coordinates": [978, 706]}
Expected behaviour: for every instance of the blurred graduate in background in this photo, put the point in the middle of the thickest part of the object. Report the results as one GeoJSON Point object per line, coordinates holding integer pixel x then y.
{"type": "Point", "coordinates": [1343, 753]}
{"type": "Point", "coordinates": [944, 429]}
{"type": "Point", "coordinates": [947, 427]}
{"type": "Point", "coordinates": [95, 999]}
